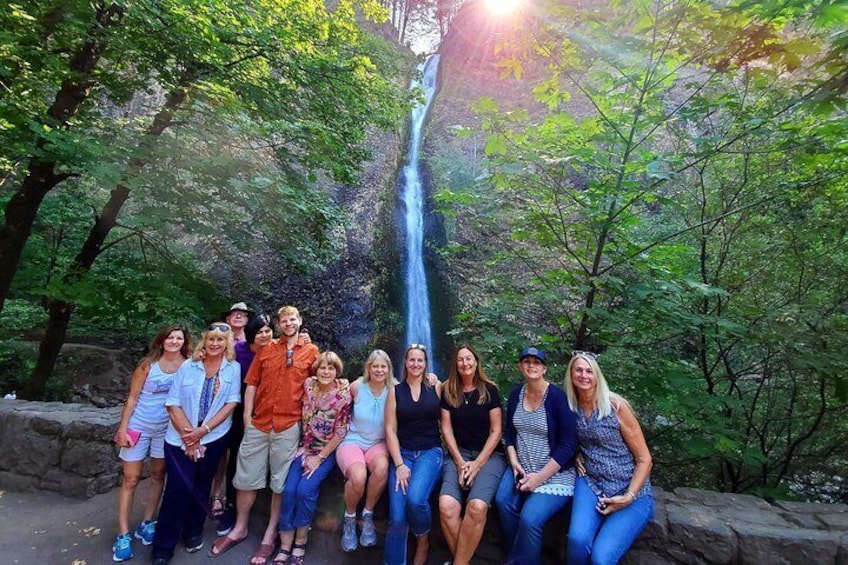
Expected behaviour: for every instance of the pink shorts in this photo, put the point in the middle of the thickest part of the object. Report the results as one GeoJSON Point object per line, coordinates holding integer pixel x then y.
{"type": "Point", "coordinates": [349, 453]}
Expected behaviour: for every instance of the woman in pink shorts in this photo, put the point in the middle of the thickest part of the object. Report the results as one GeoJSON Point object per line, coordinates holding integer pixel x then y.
{"type": "Point", "coordinates": [363, 451]}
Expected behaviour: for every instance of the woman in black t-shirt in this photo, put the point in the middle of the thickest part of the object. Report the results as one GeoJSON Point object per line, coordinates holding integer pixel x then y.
{"type": "Point", "coordinates": [471, 425]}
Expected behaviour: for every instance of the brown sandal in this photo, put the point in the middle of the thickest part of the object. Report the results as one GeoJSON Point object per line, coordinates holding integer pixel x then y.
{"type": "Point", "coordinates": [263, 552]}
{"type": "Point", "coordinates": [222, 545]}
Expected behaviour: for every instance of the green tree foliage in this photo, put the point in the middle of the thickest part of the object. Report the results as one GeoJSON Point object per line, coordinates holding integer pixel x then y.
{"type": "Point", "coordinates": [218, 116]}
{"type": "Point", "coordinates": [676, 206]}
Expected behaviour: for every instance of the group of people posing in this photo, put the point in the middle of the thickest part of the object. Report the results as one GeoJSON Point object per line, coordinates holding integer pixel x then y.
{"type": "Point", "coordinates": [300, 418]}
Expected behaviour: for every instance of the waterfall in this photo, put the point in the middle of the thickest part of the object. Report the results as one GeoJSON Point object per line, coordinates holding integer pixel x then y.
{"type": "Point", "coordinates": [417, 298]}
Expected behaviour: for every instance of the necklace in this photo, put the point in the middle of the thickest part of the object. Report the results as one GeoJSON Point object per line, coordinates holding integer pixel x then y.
{"type": "Point", "coordinates": [467, 396]}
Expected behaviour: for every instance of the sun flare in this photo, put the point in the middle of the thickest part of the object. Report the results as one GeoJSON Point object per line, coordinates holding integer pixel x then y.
{"type": "Point", "coordinates": [502, 7]}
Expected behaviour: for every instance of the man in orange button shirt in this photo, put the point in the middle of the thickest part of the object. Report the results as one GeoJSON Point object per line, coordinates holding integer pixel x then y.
{"type": "Point", "coordinates": [272, 411]}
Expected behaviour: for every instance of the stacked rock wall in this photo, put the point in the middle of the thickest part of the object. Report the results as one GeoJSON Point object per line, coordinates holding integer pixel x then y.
{"type": "Point", "coordinates": [68, 448]}
{"type": "Point", "coordinates": [65, 448]}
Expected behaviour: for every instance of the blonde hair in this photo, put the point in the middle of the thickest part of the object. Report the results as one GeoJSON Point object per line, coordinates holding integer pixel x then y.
{"type": "Point", "coordinates": [453, 385]}
{"type": "Point", "coordinates": [286, 310]}
{"type": "Point", "coordinates": [229, 350]}
{"type": "Point", "coordinates": [330, 358]}
{"type": "Point", "coordinates": [379, 354]}
{"type": "Point", "coordinates": [602, 391]}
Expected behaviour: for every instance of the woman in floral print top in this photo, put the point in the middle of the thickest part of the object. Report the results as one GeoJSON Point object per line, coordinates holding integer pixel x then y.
{"type": "Point", "coordinates": [326, 413]}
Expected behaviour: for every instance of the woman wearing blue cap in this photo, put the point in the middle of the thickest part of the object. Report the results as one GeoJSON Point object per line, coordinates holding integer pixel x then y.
{"type": "Point", "coordinates": [540, 433]}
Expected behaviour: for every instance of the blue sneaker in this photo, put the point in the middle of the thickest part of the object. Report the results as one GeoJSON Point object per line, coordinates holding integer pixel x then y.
{"type": "Point", "coordinates": [369, 533]}
{"type": "Point", "coordinates": [122, 550]}
{"type": "Point", "coordinates": [226, 521]}
{"type": "Point", "coordinates": [349, 534]}
{"type": "Point", "coordinates": [145, 531]}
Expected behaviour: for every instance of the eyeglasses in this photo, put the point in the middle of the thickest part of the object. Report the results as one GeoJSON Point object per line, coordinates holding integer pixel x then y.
{"type": "Point", "coordinates": [219, 327]}
{"type": "Point", "coordinates": [289, 357]}
{"type": "Point", "coordinates": [420, 346]}
{"type": "Point", "coordinates": [585, 354]}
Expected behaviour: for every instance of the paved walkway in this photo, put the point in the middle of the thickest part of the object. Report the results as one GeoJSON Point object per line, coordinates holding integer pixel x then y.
{"type": "Point", "coordinates": [40, 527]}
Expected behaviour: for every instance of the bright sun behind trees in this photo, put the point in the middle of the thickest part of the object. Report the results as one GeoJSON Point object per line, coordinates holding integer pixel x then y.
{"type": "Point", "coordinates": [675, 201]}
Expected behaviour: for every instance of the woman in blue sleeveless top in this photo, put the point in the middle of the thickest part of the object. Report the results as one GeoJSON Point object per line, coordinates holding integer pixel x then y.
{"type": "Point", "coordinates": [363, 456]}
{"type": "Point", "coordinates": [613, 500]}
{"type": "Point", "coordinates": [415, 448]}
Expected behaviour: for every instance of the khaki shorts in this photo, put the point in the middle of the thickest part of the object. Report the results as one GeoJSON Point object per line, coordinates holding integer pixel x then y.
{"type": "Point", "coordinates": [261, 452]}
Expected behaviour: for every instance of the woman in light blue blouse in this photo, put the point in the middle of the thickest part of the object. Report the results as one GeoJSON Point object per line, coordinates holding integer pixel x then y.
{"type": "Point", "coordinates": [200, 406]}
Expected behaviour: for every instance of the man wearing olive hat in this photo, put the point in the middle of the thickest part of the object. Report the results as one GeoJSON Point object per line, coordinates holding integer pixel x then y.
{"type": "Point", "coordinates": [237, 317]}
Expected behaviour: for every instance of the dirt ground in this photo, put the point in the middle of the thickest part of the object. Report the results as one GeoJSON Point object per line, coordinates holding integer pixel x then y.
{"type": "Point", "coordinates": [41, 527]}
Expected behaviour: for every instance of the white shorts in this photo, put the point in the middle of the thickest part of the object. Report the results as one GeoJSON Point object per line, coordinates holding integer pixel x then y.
{"type": "Point", "coordinates": [149, 445]}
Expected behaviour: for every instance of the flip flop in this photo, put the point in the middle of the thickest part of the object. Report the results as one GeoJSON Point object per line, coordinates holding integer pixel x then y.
{"type": "Point", "coordinates": [263, 552]}
{"type": "Point", "coordinates": [222, 545]}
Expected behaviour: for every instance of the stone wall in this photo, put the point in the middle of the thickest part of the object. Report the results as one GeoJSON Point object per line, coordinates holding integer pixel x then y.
{"type": "Point", "coordinates": [68, 448]}
{"type": "Point", "coordinates": [65, 448]}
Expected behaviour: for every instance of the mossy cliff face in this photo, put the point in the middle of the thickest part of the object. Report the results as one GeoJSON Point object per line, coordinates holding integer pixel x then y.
{"type": "Point", "coordinates": [339, 303]}
{"type": "Point", "coordinates": [468, 72]}
{"type": "Point", "coordinates": [471, 69]}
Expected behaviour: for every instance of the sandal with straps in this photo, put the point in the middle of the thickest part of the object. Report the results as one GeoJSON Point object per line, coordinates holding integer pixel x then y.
{"type": "Point", "coordinates": [297, 559]}
{"type": "Point", "coordinates": [217, 508]}
{"type": "Point", "coordinates": [282, 556]}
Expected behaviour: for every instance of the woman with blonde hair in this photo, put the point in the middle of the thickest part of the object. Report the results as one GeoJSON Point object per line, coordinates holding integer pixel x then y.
{"type": "Point", "coordinates": [363, 453]}
{"type": "Point", "coordinates": [200, 405]}
{"type": "Point", "coordinates": [613, 498]}
{"type": "Point", "coordinates": [471, 419]}
{"type": "Point", "coordinates": [141, 432]}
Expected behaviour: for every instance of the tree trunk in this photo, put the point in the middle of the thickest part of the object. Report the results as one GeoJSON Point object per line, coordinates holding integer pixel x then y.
{"type": "Point", "coordinates": [41, 175]}
{"type": "Point", "coordinates": [60, 311]}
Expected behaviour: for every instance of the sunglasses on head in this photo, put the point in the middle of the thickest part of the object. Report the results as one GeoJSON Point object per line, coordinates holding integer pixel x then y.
{"type": "Point", "coordinates": [584, 354]}
{"type": "Point", "coordinates": [417, 346]}
{"type": "Point", "coordinates": [219, 327]}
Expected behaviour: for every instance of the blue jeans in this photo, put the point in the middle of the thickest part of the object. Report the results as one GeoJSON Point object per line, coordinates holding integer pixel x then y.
{"type": "Point", "coordinates": [411, 510]}
{"type": "Point", "coordinates": [300, 495]}
{"type": "Point", "coordinates": [595, 538]}
{"type": "Point", "coordinates": [185, 503]}
{"type": "Point", "coordinates": [526, 515]}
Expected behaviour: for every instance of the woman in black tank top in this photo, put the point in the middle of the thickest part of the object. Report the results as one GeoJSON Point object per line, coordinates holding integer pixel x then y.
{"type": "Point", "coordinates": [415, 446]}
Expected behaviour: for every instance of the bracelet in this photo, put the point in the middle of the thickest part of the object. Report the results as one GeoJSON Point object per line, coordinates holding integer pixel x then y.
{"type": "Point", "coordinates": [401, 464]}
{"type": "Point", "coordinates": [208, 431]}
{"type": "Point", "coordinates": [630, 492]}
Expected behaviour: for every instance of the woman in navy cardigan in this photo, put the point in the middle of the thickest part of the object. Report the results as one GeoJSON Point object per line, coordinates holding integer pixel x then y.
{"type": "Point", "coordinates": [540, 433]}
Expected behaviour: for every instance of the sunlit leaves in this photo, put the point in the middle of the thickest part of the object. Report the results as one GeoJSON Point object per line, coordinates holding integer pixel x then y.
{"type": "Point", "coordinates": [677, 203]}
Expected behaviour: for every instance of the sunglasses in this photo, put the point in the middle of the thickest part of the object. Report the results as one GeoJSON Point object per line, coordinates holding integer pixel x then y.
{"type": "Point", "coordinates": [584, 354]}
{"type": "Point", "coordinates": [219, 327]}
{"type": "Point", "coordinates": [289, 357]}
{"type": "Point", "coordinates": [420, 346]}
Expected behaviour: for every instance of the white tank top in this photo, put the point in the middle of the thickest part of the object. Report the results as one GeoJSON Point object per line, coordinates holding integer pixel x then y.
{"type": "Point", "coordinates": [150, 415]}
